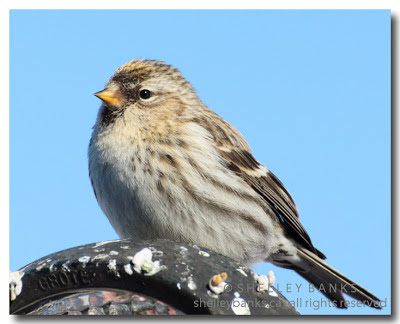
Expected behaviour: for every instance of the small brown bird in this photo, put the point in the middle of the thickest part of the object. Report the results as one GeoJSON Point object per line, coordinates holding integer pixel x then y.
{"type": "Point", "coordinates": [163, 165]}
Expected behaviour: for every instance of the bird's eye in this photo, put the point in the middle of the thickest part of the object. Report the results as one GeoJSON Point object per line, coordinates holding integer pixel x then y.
{"type": "Point", "coordinates": [145, 94]}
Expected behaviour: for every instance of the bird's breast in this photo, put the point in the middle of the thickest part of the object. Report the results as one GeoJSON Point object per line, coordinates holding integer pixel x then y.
{"type": "Point", "coordinates": [179, 190]}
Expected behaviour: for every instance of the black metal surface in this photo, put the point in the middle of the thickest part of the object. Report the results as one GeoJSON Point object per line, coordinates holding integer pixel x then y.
{"type": "Point", "coordinates": [180, 283]}
{"type": "Point", "coordinates": [105, 302]}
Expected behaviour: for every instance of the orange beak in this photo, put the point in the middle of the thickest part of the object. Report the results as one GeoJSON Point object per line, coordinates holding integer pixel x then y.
{"type": "Point", "coordinates": [110, 97]}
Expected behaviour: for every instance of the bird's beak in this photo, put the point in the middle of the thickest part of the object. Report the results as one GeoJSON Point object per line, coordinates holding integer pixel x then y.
{"type": "Point", "coordinates": [110, 97]}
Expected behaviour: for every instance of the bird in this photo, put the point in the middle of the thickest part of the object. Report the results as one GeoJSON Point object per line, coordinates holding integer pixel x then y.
{"type": "Point", "coordinates": [164, 166]}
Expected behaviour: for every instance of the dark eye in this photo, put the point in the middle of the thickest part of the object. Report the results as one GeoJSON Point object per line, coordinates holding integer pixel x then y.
{"type": "Point", "coordinates": [145, 94]}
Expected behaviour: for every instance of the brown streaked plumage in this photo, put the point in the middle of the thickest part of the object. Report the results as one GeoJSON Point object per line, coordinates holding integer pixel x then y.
{"type": "Point", "coordinates": [163, 165]}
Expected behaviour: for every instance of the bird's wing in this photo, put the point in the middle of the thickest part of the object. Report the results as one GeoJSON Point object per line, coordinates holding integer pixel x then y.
{"type": "Point", "coordinates": [233, 148]}
{"type": "Point", "coordinates": [268, 186]}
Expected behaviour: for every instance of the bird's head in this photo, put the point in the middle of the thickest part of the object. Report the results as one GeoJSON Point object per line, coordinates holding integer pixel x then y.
{"type": "Point", "coordinates": [145, 85]}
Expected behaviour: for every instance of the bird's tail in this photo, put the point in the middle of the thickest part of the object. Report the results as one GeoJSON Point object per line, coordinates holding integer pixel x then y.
{"type": "Point", "coordinates": [331, 282]}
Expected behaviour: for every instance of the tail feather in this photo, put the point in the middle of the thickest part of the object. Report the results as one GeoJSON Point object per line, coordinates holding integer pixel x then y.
{"type": "Point", "coordinates": [331, 282]}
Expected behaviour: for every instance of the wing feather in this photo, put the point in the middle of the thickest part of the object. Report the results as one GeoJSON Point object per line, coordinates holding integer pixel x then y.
{"type": "Point", "coordinates": [268, 186]}
{"type": "Point", "coordinates": [236, 152]}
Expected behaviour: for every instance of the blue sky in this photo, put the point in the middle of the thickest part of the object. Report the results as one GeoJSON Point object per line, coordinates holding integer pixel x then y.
{"type": "Point", "coordinates": [309, 90]}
